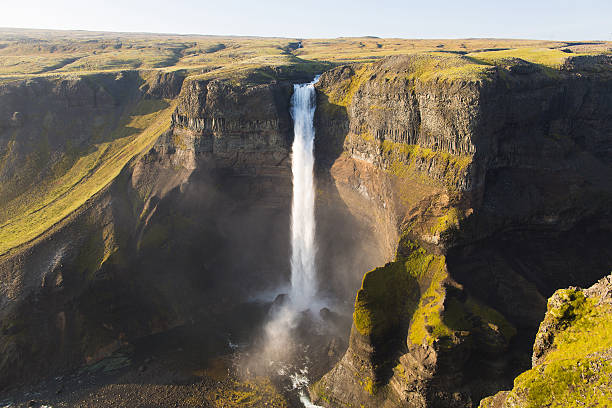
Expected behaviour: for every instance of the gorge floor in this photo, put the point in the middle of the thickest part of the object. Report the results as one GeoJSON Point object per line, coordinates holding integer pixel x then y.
{"type": "Point", "coordinates": [194, 366]}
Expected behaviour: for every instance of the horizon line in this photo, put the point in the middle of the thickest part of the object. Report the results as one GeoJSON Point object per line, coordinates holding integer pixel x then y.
{"type": "Point", "coordinates": [93, 31]}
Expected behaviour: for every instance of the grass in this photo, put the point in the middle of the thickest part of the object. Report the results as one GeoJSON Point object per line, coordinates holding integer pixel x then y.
{"type": "Point", "coordinates": [250, 393]}
{"type": "Point", "coordinates": [389, 294]}
{"type": "Point", "coordinates": [359, 49]}
{"type": "Point", "coordinates": [438, 315]}
{"type": "Point", "coordinates": [34, 213]}
{"type": "Point", "coordinates": [575, 316]}
{"type": "Point", "coordinates": [243, 60]}
{"type": "Point", "coordinates": [407, 159]}
{"type": "Point", "coordinates": [404, 161]}
{"type": "Point", "coordinates": [38, 52]}
{"type": "Point", "coordinates": [425, 67]}
{"type": "Point", "coordinates": [490, 317]}
{"type": "Point", "coordinates": [438, 66]}
{"type": "Point", "coordinates": [44, 52]}
{"type": "Point", "coordinates": [427, 324]}
{"type": "Point", "coordinates": [342, 93]}
{"type": "Point", "coordinates": [584, 382]}
{"type": "Point", "coordinates": [449, 219]}
{"type": "Point", "coordinates": [552, 58]}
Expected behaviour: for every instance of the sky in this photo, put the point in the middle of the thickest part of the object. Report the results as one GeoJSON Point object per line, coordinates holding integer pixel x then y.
{"type": "Point", "coordinates": [534, 19]}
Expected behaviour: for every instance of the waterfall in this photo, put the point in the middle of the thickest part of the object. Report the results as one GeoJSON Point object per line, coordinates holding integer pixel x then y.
{"type": "Point", "coordinates": [303, 248]}
{"type": "Point", "coordinates": [280, 348]}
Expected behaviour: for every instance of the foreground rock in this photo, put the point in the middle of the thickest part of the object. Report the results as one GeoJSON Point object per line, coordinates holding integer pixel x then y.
{"type": "Point", "coordinates": [572, 354]}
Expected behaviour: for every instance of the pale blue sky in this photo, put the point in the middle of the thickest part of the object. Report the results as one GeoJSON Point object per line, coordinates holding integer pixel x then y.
{"type": "Point", "coordinates": [538, 19]}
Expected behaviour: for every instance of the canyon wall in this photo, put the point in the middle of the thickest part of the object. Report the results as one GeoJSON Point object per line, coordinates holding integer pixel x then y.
{"type": "Point", "coordinates": [151, 249]}
{"type": "Point", "coordinates": [495, 190]}
{"type": "Point", "coordinates": [469, 198]}
{"type": "Point", "coordinates": [190, 222]}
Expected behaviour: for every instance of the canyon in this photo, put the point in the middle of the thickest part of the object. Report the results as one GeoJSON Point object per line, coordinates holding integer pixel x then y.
{"type": "Point", "coordinates": [454, 195]}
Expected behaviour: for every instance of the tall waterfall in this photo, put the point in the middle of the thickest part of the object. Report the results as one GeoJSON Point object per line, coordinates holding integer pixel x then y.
{"type": "Point", "coordinates": [281, 350]}
{"type": "Point", "coordinates": [303, 249]}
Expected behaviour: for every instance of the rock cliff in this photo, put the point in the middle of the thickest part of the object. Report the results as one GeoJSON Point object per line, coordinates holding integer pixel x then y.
{"type": "Point", "coordinates": [492, 187]}
{"type": "Point", "coordinates": [134, 202]}
{"type": "Point", "coordinates": [213, 175]}
{"type": "Point", "coordinates": [180, 227]}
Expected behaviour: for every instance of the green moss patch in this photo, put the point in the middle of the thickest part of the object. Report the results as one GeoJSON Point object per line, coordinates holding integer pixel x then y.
{"type": "Point", "coordinates": [389, 294]}
{"type": "Point", "coordinates": [491, 318]}
{"type": "Point", "coordinates": [439, 315]}
{"type": "Point", "coordinates": [581, 316]}
{"type": "Point", "coordinates": [251, 393]}
{"type": "Point", "coordinates": [473, 316]}
{"type": "Point", "coordinates": [572, 382]}
{"type": "Point", "coordinates": [448, 220]}
{"type": "Point", "coordinates": [406, 160]}
{"type": "Point", "coordinates": [427, 324]}
{"type": "Point", "coordinates": [552, 58]}
{"type": "Point", "coordinates": [341, 93]}
{"type": "Point", "coordinates": [444, 67]}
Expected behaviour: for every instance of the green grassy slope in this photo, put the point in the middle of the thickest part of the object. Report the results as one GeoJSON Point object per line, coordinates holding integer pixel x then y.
{"type": "Point", "coordinates": [39, 207]}
{"type": "Point", "coordinates": [577, 371]}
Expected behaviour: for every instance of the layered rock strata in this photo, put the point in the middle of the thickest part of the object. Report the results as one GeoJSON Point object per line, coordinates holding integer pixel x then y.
{"type": "Point", "coordinates": [493, 188]}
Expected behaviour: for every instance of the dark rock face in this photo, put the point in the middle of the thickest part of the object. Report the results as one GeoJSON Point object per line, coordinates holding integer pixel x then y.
{"type": "Point", "coordinates": [237, 126]}
{"type": "Point", "coordinates": [522, 157]}
{"type": "Point", "coordinates": [106, 274]}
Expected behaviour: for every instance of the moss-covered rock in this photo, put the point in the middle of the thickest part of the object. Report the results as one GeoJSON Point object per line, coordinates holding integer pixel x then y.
{"type": "Point", "coordinates": [572, 356]}
{"type": "Point", "coordinates": [389, 294]}
{"type": "Point", "coordinates": [414, 329]}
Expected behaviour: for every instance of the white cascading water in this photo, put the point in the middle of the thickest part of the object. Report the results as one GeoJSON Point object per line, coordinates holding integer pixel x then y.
{"type": "Point", "coordinates": [303, 249]}
{"type": "Point", "coordinates": [302, 295]}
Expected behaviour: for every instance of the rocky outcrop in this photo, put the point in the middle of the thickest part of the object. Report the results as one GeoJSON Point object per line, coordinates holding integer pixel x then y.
{"type": "Point", "coordinates": [229, 122]}
{"type": "Point", "coordinates": [499, 174]}
{"type": "Point", "coordinates": [571, 355]}
{"type": "Point", "coordinates": [417, 339]}
{"type": "Point", "coordinates": [45, 169]}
